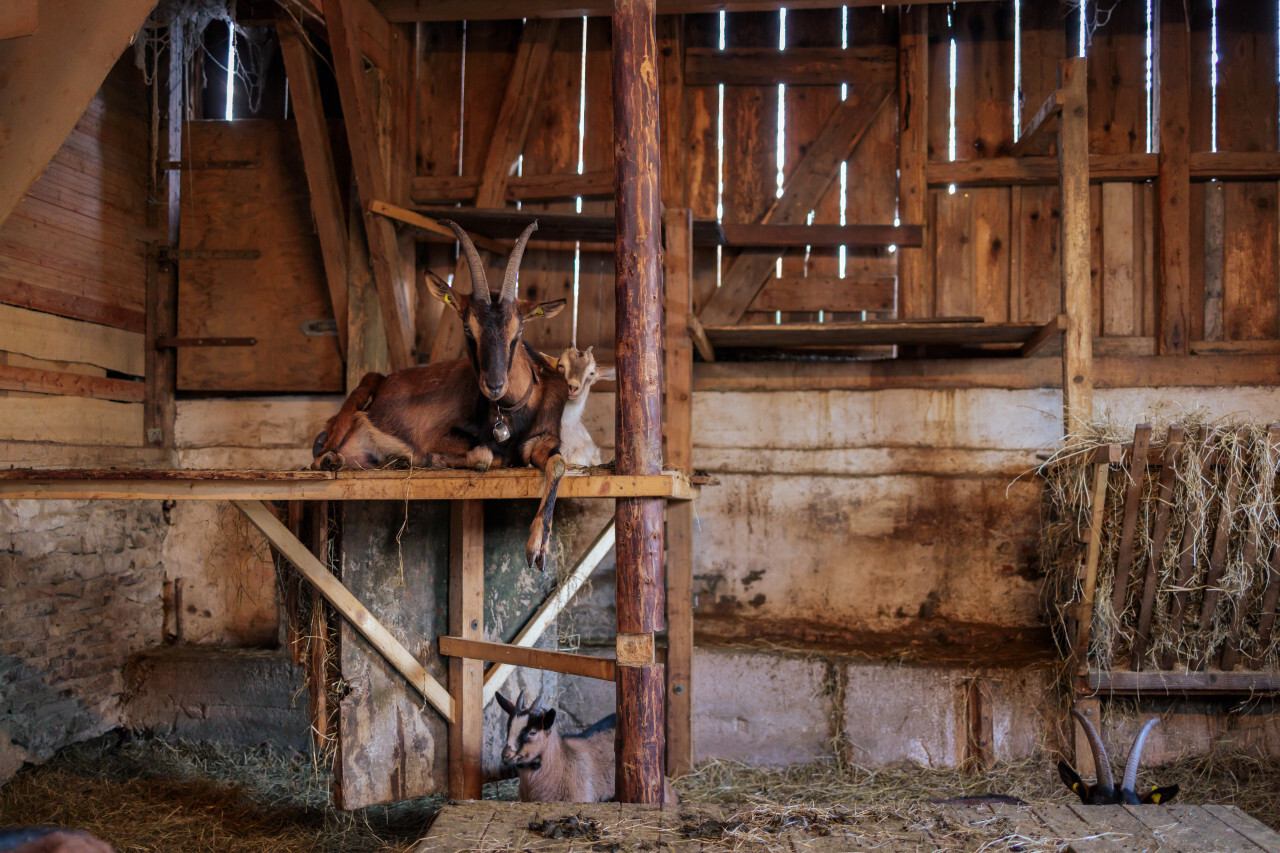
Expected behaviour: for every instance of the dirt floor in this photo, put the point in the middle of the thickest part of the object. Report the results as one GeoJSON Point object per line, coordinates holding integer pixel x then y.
{"type": "Point", "coordinates": [155, 795]}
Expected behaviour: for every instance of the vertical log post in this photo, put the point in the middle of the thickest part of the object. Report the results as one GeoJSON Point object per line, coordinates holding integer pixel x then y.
{"type": "Point", "coordinates": [1077, 286]}
{"type": "Point", "coordinates": [466, 676]}
{"type": "Point", "coordinates": [641, 714]}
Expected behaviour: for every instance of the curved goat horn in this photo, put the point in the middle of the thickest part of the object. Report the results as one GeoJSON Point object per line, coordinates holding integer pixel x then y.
{"type": "Point", "coordinates": [513, 264]}
{"type": "Point", "coordinates": [1100, 760]}
{"type": "Point", "coordinates": [1135, 755]}
{"type": "Point", "coordinates": [520, 706]}
{"type": "Point", "coordinates": [479, 282]}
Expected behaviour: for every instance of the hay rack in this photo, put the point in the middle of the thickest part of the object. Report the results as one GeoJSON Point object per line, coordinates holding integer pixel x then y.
{"type": "Point", "coordinates": [1174, 587]}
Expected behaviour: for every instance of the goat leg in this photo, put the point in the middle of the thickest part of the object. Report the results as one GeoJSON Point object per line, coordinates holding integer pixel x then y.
{"type": "Point", "coordinates": [544, 453]}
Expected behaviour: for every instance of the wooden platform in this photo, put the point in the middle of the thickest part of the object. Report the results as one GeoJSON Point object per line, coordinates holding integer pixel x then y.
{"type": "Point", "coordinates": [813, 336]}
{"type": "Point", "coordinates": [499, 826]}
{"type": "Point", "coordinates": [418, 484]}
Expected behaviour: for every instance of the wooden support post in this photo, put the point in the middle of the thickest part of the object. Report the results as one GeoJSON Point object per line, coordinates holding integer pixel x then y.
{"type": "Point", "coordinates": [317, 161]}
{"type": "Point", "coordinates": [915, 285]}
{"type": "Point", "coordinates": [1084, 613]}
{"type": "Point", "coordinates": [371, 182]}
{"type": "Point", "coordinates": [466, 675]}
{"type": "Point", "coordinates": [1077, 286]}
{"type": "Point", "coordinates": [1173, 185]}
{"type": "Point", "coordinates": [675, 191]}
{"type": "Point", "coordinates": [677, 271]}
{"type": "Point", "coordinates": [641, 730]}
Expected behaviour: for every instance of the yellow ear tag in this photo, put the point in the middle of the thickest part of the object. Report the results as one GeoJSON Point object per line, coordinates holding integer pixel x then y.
{"type": "Point", "coordinates": [1155, 798]}
{"type": "Point", "coordinates": [448, 299]}
{"type": "Point", "coordinates": [1075, 786]}
{"type": "Point", "coordinates": [537, 312]}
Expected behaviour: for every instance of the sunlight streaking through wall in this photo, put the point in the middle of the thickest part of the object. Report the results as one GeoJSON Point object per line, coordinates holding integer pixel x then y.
{"type": "Point", "coordinates": [1017, 69]}
{"type": "Point", "coordinates": [782, 106]}
{"type": "Point", "coordinates": [231, 71]}
{"type": "Point", "coordinates": [1084, 28]}
{"type": "Point", "coordinates": [582, 135]}
{"type": "Point", "coordinates": [1213, 76]}
{"type": "Point", "coordinates": [1150, 81]}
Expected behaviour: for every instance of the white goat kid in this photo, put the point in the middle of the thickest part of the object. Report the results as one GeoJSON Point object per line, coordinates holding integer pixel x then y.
{"type": "Point", "coordinates": [555, 768]}
{"type": "Point", "coordinates": [581, 372]}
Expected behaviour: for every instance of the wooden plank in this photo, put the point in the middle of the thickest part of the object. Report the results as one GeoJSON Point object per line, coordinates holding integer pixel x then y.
{"type": "Point", "coordinates": [1119, 260]}
{"type": "Point", "coordinates": [37, 125]}
{"type": "Point", "coordinates": [1250, 308]}
{"type": "Point", "coordinates": [515, 115]}
{"type": "Point", "coordinates": [1250, 827]}
{"type": "Point", "coordinates": [1083, 834]}
{"type": "Point", "coordinates": [371, 181]}
{"type": "Point", "coordinates": [1001, 171]}
{"type": "Point", "coordinates": [1231, 649]}
{"type": "Point", "coordinates": [466, 677]}
{"type": "Point", "coordinates": [672, 59]}
{"type": "Point", "coordinates": [75, 306]}
{"type": "Point", "coordinates": [1190, 828]}
{"type": "Point", "coordinates": [810, 180]}
{"type": "Point", "coordinates": [1215, 239]}
{"type": "Point", "coordinates": [813, 335]}
{"type": "Point", "coordinates": [551, 607]}
{"type": "Point", "coordinates": [1218, 556]}
{"type": "Point", "coordinates": [346, 604]}
{"type": "Point", "coordinates": [1267, 621]}
{"type": "Point", "coordinates": [161, 380]}
{"type": "Point", "coordinates": [1129, 526]}
{"type": "Point", "coordinates": [562, 662]}
{"type": "Point", "coordinates": [1044, 335]}
{"type": "Point", "coordinates": [772, 234]}
{"type": "Point", "coordinates": [51, 338]}
{"type": "Point", "coordinates": [428, 190]}
{"type": "Point", "coordinates": [1084, 611]}
{"type": "Point", "coordinates": [510, 484]}
{"type": "Point", "coordinates": [1077, 295]}
{"type": "Point", "coordinates": [1188, 559]}
{"type": "Point", "coordinates": [459, 10]}
{"type": "Point", "coordinates": [914, 274]}
{"type": "Point", "coordinates": [826, 293]}
{"type": "Point", "coordinates": [797, 66]}
{"type": "Point", "coordinates": [1159, 531]}
{"type": "Point", "coordinates": [317, 159]}
{"type": "Point", "coordinates": [1173, 226]}
{"type": "Point", "coordinates": [1040, 122]}
{"type": "Point", "coordinates": [70, 384]}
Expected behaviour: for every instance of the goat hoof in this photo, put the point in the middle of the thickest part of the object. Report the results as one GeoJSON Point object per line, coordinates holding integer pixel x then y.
{"type": "Point", "coordinates": [328, 462]}
{"type": "Point", "coordinates": [483, 465]}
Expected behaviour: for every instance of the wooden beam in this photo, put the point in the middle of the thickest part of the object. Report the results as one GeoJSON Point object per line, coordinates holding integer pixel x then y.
{"type": "Point", "coordinates": [345, 603]}
{"type": "Point", "coordinates": [797, 66]}
{"type": "Point", "coordinates": [871, 333]}
{"type": "Point", "coordinates": [533, 57]}
{"type": "Point", "coordinates": [503, 484]}
{"type": "Point", "coordinates": [426, 223]}
{"type": "Point", "coordinates": [1077, 284]}
{"type": "Point", "coordinates": [428, 190]}
{"type": "Point", "coordinates": [671, 83]}
{"type": "Point", "coordinates": [160, 412]}
{"type": "Point", "coordinates": [1172, 62]}
{"type": "Point", "coordinates": [41, 100]}
{"type": "Point", "coordinates": [551, 607]}
{"type": "Point", "coordinates": [915, 276]}
{"type": "Point", "coordinates": [562, 662]}
{"type": "Point", "coordinates": [1129, 168]}
{"type": "Point", "coordinates": [19, 18]}
{"type": "Point", "coordinates": [1047, 333]}
{"type": "Point", "coordinates": [747, 235]}
{"type": "Point", "coordinates": [677, 275]}
{"type": "Point", "coordinates": [810, 180]}
{"type": "Point", "coordinates": [1210, 682]}
{"type": "Point", "coordinates": [70, 384]}
{"type": "Point", "coordinates": [317, 161]}
{"type": "Point", "coordinates": [371, 182]}
{"type": "Point", "coordinates": [1049, 110]}
{"type": "Point", "coordinates": [638, 352]}
{"type": "Point", "coordinates": [699, 336]}
{"type": "Point", "coordinates": [466, 677]}
{"type": "Point", "coordinates": [498, 10]}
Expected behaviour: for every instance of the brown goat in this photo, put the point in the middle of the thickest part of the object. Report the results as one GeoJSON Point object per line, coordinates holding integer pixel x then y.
{"type": "Point", "coordinates": [501, 405]}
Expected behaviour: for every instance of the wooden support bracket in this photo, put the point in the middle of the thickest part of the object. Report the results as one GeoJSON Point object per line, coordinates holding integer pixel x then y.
{"type": "Point", "coordinates": [700, 340]}
{"type": "Point", "coordinates": [426, 223]}
{"type": "Point", "coordinates": [348, 605]}
{"type": "Point", "coordinates": [1049, 110]}
{"type": "Point", "coordinates": [563, 662]}
{"type": "Point", "coordinates": [1047, 333]}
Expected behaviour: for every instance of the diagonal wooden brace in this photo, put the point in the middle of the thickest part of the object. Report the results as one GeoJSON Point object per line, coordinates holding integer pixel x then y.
{"type": "Point", "coordinates": [348, 605]}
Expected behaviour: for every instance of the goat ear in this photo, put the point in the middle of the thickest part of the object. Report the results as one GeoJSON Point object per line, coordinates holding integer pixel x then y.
{"type": "Point", "coordinates": [505, 704]}
{"type": "Point", "coordinates": [1160, 796]}
{"type": "Point", "coordinates": [545, 310]}
{"type": "Point", "coordinates": [548, 719]}
{"type": "Point", "coordinates": [441, 290]}
{"type": "Point", "coordinates": [1072, 780]}
{"type": "Point", "coordinates": [607, 372]}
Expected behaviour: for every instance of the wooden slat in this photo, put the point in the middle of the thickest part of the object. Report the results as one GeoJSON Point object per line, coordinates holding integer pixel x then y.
{"type": "Point", "coordinates": [1188, 828]}
{"type": "Point", "coordinates": [1159, 530]}
{"type": "Point", "coordinates": [76, 306]}
{"type": "Point", "coordinates": [346, 604]}
{"type": "Point", "coordinates": [70, 384]}
{"type": "Point", "coordinates": [915, 284]}
{"type": "Point", "coordinates": [1214, 682]}
{"type": "Point", "coordinates": [797, 66]}
{"type": "Point", "coordinates": [562, 662]}
{"type": "Point", "coordinates": [1187, 559]}
{"type": "Point", "coordinates": [1084, 612]}
{"type": "Point", "coordinates": [1049, 110]}
{"type": "Point", "coordinates": [810, 180]}
{"type": "Point", "coordinates": [1218, 555]}
{"type": "Point", "coordinates": [371, 181]}
{"type": "Point", "coordinates": [317, 160]}
{"type": "Point", "coordinates": [1251, 828]}
{"type": "Point", "coordinates": [552, 607]}
{"type": "Point", "coordinates": [813, 335]}
{"type": "Point", "coordinates": [1231, 650]}
{"type": "Point", "coordinates": [771, 234]}
{"type": "Point", "coordinates": [1267, 621]}
{"type": "Point", "coordinates": [466, 677]}
{"type": "Point", "coordinates": [508, 484]}
{"type": "Point", "coordinates": [1077, 286]}
{"type": "Point", "coordinates": [1042, 170]}
{"type": "Point", "coordinates": [826, 293]}
{"type": "Point", "coordinates": [161, 379]}
{"type": "Point", "coordinates": [1173, 226]}
{"type": "Point", "coordinates": [1129, 526]}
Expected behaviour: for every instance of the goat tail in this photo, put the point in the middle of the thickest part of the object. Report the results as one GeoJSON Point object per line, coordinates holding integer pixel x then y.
{"type": "Point", "coordinates": [339, 426]}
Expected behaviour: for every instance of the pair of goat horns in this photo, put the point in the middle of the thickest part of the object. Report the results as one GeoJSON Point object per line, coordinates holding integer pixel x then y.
{"type": "Point", "coordinates": [479, 283]}
{"type": "Point", "coordinates": [1103, 764]}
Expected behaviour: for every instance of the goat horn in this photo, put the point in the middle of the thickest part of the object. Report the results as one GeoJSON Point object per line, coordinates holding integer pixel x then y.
{"type": "Point", "coordinates": [513, 264]}
{"type": "Point", "coordinates": [1135, 755]}
{"type": "Point", "coordinates": [1100, 760]}
{"type": "Point", "coordinates": [479, 282]}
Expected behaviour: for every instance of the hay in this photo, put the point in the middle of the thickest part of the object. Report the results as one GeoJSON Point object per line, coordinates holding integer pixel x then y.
{"type": "Point", "coordinates": [1245, 463]}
